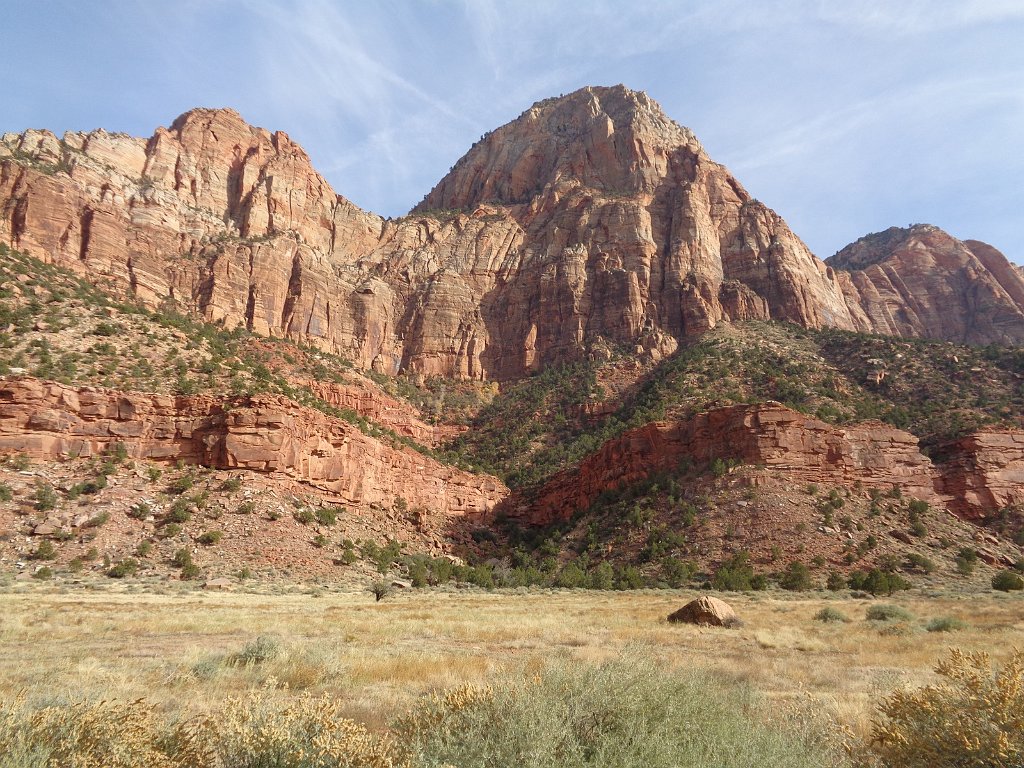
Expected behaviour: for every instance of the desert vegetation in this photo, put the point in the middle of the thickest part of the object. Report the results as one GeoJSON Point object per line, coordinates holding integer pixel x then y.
{"type": "Point", "coordinates": [314, 675]}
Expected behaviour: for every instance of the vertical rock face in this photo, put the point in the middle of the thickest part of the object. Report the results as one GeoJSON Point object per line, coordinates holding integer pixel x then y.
{"type": "Point", "coordinates": [921, 281]}
{"type": "Point", "coordinates": [984, 473]}
{"type": "Point", "coordinates": [590, 218]}
{"type": "Point", "coordinates": [631, 233]}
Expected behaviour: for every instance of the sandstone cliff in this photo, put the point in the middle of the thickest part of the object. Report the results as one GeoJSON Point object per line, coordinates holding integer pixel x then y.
{"type": "Point", "coordinates": [264, 433]}
{"type": "Point", "coordinates": [921, 281]}
{"type": "Point", "coordinates": [591, 218]}
{"type": "Point", "coordinates": [984, 473]}
{"type": "Point", "coordinates": [987, 471]}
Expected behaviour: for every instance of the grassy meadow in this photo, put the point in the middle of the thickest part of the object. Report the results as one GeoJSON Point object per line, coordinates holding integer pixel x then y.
{"type": "Point", "coordinates": [188, 652]}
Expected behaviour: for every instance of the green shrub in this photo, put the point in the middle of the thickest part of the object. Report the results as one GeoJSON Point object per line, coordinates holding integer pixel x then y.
{"type": "Point", "coordinates": [878, 582]}
{"type": "Point", "coordinates": [627, 713]}
{"type": "Point", "coordinates": [916, 561]}
{"type": "Point", "coordinates": [180, 511]}
{"type": "Point", "coordinates": [6, 492]}
{"type": "Point", "coordinates": [971, 719]}
{"type": "Point", "coordinates": [43, 574]}
{"type": "Point", "coordinates": [918, 506]}
{"type": "Point", "coordinates": [571, 577]}
{"type": "Point", "coordinates": [835, 582]}
{"type": "Point", "coordinates": [45, 497]}
{"type": "Point", "coordinates": [182, 484]}
{"type": "Point", "coordinates": [304, 515]}
{"type": "Point", "coordinates": [140, 511]}
{"type": "Point", "coordinates": [191, 571]}
{"type": "Point", "coordinates": [231, 485]}
{"type": "Point", "coordinates": [945, 624]}
{"type": "Point", "coordinates": [326, 515]}
{"type": "Point", "coordinates": [1007, 581]}
{"type": "Point", "coordinates": [181, 558]}
{"type": "Point", "coordinates": [209, 538]}
{"type": "Point", "coordinates": [797, 577]}
{"type": "Point", "coordinates": [734, 575]}
{"type": "Point", "coordinates": [97, 520]}
{"type": "Point", "coordinates": [887, 612]}
{"type": "Point", "coordinates": [830, 615]}
{"type": "Point", "coordinates": [44, 551]}
{"type": "Point", "coordinates": [966, 560]}
{"type": "Point", "coordinates": [144, 549]}
{"type": "Point", "coordinates": [126, 567]}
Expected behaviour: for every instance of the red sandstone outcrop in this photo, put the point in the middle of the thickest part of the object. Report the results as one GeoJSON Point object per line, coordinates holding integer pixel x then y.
{"type": "Point", "coordinates": [591, 218]}
{"type": "Point", "coordinates": [264, 433]}
{"type": "Point", "coordinates": [391, 413]}
{"type": "Point", "coordinates": [923, 282]}
{"type": "Point", "coordinates": [770, 435]}
{"type": "Point", "coordinates": [979, 475]}
{"type": "Point", "coordinates": [984, 473]}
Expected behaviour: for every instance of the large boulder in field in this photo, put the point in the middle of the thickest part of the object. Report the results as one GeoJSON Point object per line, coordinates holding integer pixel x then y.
{"type": "Point", "coordinates": [707, 611]}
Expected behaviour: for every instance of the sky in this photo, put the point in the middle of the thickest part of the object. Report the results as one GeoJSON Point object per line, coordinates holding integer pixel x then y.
{"type": "Point", "coordinates": [845, 116]}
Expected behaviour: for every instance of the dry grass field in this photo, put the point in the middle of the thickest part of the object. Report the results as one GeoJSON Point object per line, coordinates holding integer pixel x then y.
{"type": "Point", "coordinates": [187, 650]}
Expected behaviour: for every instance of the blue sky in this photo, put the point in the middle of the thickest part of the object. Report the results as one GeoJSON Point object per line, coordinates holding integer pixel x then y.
{"type": "Point", "coordinates": [845, 116]}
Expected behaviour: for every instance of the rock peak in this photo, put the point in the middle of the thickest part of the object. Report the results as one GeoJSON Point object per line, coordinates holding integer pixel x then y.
{"type": "Point", "coordinates": [207, 115]}
{"type": "Point", "coordinates": [877, 247]}
{"type": "Point", "coordinates": [606, 138]}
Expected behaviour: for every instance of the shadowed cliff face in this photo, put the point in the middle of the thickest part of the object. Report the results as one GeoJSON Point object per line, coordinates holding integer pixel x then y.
{"type": "Point", "coordinates": [590, 217]}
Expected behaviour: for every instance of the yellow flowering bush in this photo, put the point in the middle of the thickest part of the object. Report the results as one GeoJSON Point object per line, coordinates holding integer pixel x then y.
{"type": "Point", "coordinates": [974, 718]}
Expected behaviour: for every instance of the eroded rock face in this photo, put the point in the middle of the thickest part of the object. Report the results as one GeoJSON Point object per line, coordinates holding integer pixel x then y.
{"type": "Point", "coordinates": [982, 473]}
{"type": "Point", "coordinates": [630, 229]}
{"type": "Point", "coordinates": [264, 433]}
{"type": "Point", "coordinates": [375, 405]}
{"type": "Point", "coordinates": [590, 219]}
{"type": "Point", "coordinates": [921, 281]}
{"type": "Point", "coordinates": [805, 449]}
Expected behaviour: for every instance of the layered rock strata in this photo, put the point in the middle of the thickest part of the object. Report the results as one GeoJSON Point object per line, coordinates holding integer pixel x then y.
{"type": "Point", "coordinates": [921, 281]}
{"type": "Point", "coordinates": [984, 473]}
{"type": "Point", "coordinates": [590, 219]}
{"type": "Point", "coordinates": [801, 448]}
{"type": "Point", "coordinates": [263, 433]}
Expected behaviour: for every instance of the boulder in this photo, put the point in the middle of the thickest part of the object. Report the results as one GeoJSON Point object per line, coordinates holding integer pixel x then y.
{"type": "Point", "coordinates": [706, 611]}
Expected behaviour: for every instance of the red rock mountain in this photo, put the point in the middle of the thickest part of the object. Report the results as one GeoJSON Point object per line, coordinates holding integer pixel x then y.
{"type": "Point", "coordinates": [923, 282]}
{"type": "Point", "coordinates": [591, 217]}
